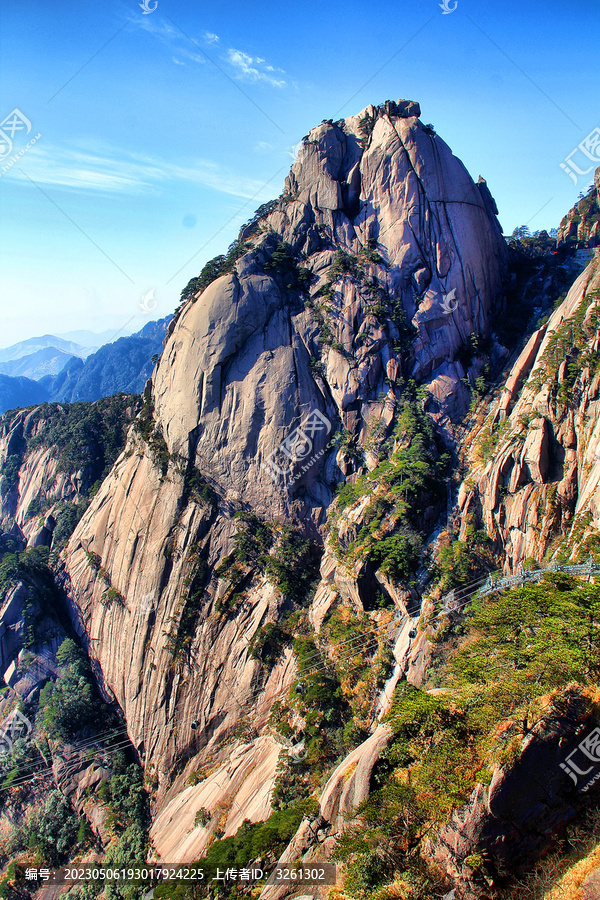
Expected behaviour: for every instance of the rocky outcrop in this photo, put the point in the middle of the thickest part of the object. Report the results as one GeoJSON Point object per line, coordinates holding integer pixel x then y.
{"type": "Point", "coordinates": [590, 889]}
{"type": "Point", "coordinates": [240, 788]}
{"type": "Point", "coordinates": [581, 225]}
{"type": "Point", "coordinates": [24, 665]}
{"type": "Point", "coordinates": [379, 225]}
{"type": "Point", "coordinates": [347, 787]}
{"type": "Point", "coordinates": [510, 823]}
{"type": "Point", "coordinates": [39, 477]}
{"type": "Point", "coordinates": [534, 477]}
{"type": "Point", "coordinates": [23, 480]}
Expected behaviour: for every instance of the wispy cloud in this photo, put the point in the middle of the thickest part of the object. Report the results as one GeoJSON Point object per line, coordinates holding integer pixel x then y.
{"type": "Point", "coordinates": [245, 67]}
{"type": "Point", "coordinates": [115, 171]}
{"type": "Point", "coordinates": [253, 68]}
{"type": "Point", "coordinates": [175, 41]}
{"type": "Point", "coordinates": [190, 56]}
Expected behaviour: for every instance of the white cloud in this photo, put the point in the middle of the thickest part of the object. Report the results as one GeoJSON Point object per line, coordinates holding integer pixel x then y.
{"type": "Point", "coordinates": [115, 171]}
{"type": "Point", "coordinates": [176, 40]}
{"type": "Point", "coordinates": [246, 68]}
{"type": "Point", "coordinates": [194, 57]}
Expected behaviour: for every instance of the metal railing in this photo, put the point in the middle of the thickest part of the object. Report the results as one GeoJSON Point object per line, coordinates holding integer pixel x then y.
{"type": "Point", "coordinates": [524, 576]}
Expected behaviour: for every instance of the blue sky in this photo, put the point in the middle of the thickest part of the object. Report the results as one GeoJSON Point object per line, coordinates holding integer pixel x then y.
{"type": "Point", "coordinates": [160, 133]}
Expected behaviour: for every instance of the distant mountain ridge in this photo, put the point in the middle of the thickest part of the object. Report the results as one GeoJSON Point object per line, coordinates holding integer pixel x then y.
{"type": "Point", "coordinates": [46, 361]}
{"type": "Point", "coordinates": [34, 344]}
{"type": "Point", "coordinates": [124, 365]}
{"type": "Point", "coordinates": [15, 392]}
{"type": "Point", "coordinates": [92, 339]}
{"type": "Point", "coordinates": [51, 368]}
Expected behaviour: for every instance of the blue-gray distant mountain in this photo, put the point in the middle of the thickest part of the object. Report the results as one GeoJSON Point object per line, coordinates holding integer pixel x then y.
{"type": "Point", "coordinates": [90, 340]}
{"type": "Point", "coordinates": [17, 392]}
{"type": "Point", "coordinates": [46, 361]}
{"type": "Point", "coordinates": [124, 365]}
{"type": "Point", "coordinates": [32, 345]}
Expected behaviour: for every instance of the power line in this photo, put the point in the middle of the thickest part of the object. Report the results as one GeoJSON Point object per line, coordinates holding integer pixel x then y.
{"type": "Point", "coordinates": [352, 646]}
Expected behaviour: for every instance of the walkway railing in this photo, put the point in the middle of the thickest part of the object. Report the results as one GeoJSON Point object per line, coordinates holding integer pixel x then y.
{"type": "Point", "coordinates": [494, 583]}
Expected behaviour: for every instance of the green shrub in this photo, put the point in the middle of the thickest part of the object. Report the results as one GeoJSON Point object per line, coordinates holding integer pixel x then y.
{"type": "Point", "coordinates": [282, 263]}
{"type": "Point", "coordinates": [267, 643]}
{"type": "Point", "coordinates": [71, 703]}
{"type": "Point", "coordinates": [213, 269]}
{"type": "Point", "coordinates": [151, 433]}
{"type": "Point", "coordinates": [400, 488]}
{"type": "Point", "coordinates": [11, 466]}
{"type": "Point", "coordinates": [51, 833]}
{"type": "Point", "coordinates": [67, 516]}
{"type": "Point", "coordinates": [87, 437]}
{"type": "Point", "coordinates": [365, 128]}
{"type": "Point", "coordinates": [128, 852]}
{"type": "Point", "coordinates": [289, 561]}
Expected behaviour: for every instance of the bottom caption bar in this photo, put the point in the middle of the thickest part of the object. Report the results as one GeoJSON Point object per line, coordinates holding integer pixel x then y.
{"type": "Point", "coordinates": [308, 873]}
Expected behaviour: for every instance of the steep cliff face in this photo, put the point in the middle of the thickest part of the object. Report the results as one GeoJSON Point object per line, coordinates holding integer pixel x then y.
{"type": "Point", "coordinates": [533, 482]}
{"type": "Point", "coordinates": [378, 262]}
{"type": "Point", "coordinates": [582, 223]}
{"type": "Point", "coordinates": [51, 456]}
{"type": "Point", "coordinates": [395, 225]}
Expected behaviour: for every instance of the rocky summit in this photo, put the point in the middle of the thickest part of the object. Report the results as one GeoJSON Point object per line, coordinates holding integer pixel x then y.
{"type": "Point", "coordinates": [325, 592]}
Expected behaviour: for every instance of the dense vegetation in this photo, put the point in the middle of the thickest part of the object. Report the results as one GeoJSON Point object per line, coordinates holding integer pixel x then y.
{"type": "Point", "coordinates": [516, 654]}
{"type": "Point", "coordinates": [87, 437]}
{"type": "Point", "coordinates": [407, 483]}
{"type": "Point", "coordinates": [277, 552]}
{"type": "Point", "coordinates": [69, 705]}
{"type": "Point", "coordinates": [67, 711]}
